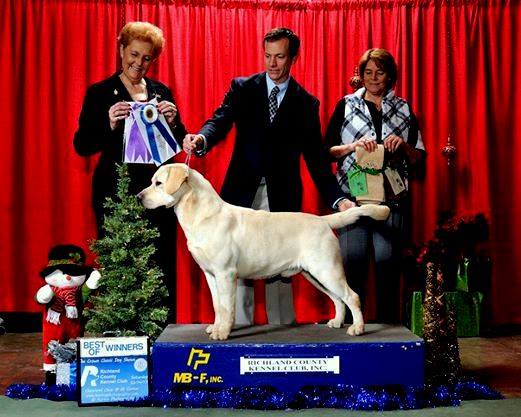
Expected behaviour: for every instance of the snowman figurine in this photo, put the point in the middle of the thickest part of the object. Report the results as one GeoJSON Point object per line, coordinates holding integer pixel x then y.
{"type": "Point", "coordinates": [64, 276]}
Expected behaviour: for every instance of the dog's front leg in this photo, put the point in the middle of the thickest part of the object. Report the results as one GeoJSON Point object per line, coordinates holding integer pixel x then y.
{"type": "Point", "coordinates": [226, 285]}
{"type": "Point", "coordinates": [210, 279]}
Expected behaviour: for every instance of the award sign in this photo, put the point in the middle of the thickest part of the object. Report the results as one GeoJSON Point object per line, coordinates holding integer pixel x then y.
{"type": "Point", "coordinates": [112, 370]}
{"type": "Point", "coordinates": [147, 138]}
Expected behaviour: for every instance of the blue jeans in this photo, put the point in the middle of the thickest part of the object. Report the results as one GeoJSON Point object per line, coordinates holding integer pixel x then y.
{"type": "Point", "coordinates": [385, 238]}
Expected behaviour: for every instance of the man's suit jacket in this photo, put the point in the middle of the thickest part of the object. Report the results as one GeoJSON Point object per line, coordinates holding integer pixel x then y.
{"type": "Point", "coordinates": [271, 150]}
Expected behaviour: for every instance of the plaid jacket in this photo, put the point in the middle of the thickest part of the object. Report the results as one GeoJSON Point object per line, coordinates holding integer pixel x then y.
{"type": "Point", "coordinates": [396, 119]}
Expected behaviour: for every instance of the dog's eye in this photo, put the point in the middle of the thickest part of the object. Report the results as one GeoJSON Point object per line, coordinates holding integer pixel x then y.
{"type": "Point", "coordinates": [158, 183]}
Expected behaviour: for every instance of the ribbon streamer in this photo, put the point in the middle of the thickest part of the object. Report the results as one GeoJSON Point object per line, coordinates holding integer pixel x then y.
{"type": "Point", "coordinates": [150, 117]}
{"type": "Point", "coordinates": [136, 148]}
{"type": "Point", "coordinates": [371, 171]}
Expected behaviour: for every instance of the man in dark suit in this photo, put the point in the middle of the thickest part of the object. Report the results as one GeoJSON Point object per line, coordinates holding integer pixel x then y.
{"type": "Point", "coordinates": [276, 122]}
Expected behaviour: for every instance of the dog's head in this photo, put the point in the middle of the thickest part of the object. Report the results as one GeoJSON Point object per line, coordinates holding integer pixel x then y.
{"type": "Point", "coordinates": [165, 189]}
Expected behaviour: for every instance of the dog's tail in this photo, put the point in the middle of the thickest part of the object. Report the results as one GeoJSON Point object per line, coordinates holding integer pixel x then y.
{"type": "Point", "coordinates": [351, 215]}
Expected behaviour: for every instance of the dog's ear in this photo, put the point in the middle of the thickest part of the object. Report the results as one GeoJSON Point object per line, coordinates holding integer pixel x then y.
{"type": "Point", "coordinates": [176, 176]}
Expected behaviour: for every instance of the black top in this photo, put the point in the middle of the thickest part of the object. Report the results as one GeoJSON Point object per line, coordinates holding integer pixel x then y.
{"type": "Point", "coordinates": [376, 117]}
{"type": "Point", "coordinates": [95, 136]}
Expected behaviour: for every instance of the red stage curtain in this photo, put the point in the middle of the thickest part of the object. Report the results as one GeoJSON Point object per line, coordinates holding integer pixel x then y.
{"type": "Point", "coordinates": [458, 68]}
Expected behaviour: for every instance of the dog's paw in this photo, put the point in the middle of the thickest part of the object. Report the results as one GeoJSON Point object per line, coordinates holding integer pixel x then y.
{"type": "Point", "coordinates": [336, 324]}
{"type": "Point", "coordinates": [219, 335]}
{"type": "Point", "coordinates": [355, 329]}
{"type": "Point", "coordinates": [209, 329]}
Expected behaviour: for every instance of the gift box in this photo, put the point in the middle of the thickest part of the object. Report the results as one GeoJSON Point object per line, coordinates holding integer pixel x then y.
{"type": "Point", "coordinates": [467, 306]}
{"type": "Point", "coordinates": [374, 182]}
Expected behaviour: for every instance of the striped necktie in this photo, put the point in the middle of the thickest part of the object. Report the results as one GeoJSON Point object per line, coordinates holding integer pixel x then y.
{"type": "Point", "coordinates": [272, 103]}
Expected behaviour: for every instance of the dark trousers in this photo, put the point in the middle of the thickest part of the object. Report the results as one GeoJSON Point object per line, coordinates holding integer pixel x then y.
{"type": "Point", "coordinates": [357, 241]}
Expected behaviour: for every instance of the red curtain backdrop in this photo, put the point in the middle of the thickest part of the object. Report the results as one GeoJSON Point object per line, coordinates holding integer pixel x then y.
{"type": "Point", "coordinates": [458, 64]}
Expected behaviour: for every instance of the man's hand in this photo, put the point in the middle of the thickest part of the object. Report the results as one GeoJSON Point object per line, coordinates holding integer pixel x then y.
{"type": "Point", "coordinates": [192, 143]}
{"type": "Point", "coordinates": [345, 204]}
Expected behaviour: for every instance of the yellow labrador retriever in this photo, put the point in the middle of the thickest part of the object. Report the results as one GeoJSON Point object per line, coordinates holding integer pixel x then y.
{"type": "Point", "coordinates": [230, 242]}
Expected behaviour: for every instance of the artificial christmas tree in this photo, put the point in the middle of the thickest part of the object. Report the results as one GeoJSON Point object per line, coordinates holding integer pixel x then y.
{"type": "Point", "coordinates": [132, 296]}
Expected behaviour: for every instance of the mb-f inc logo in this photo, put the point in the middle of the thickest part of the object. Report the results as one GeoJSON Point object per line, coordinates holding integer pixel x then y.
{"type": "Point", "coordinates": [195, 358]}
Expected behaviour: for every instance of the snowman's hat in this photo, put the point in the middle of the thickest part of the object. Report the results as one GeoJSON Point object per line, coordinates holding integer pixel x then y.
{"type": "Point", "coordinates": [70, 259]}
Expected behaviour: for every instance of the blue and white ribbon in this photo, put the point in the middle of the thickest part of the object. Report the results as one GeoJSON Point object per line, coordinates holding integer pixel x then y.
{"type": "Point", "coordinates": [150, 117]}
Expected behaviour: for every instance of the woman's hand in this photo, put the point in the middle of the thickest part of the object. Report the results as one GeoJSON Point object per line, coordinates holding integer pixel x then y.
{"type": "Point", "coordinates": [340, 150]}
{"type": "Point", "coordinates": [119, 111]}
{"type": "Point", "coordinates": [167, 109]}
{"type": "Point", "coordinates": [369, 145]}
{"type": "Point", "coordinates": [392, 143]}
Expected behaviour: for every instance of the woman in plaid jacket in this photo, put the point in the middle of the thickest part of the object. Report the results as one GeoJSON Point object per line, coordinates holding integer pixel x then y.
{"type": "Point", "coordinates": [375, 115]}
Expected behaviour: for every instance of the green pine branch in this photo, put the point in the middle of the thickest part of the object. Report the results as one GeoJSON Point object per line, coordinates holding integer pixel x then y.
{"type": "Point", "coordinates": [131, 297]}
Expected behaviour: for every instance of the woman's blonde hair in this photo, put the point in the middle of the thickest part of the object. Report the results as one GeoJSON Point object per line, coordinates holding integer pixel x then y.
{"type": "Point", "coordinates": [143, 31]}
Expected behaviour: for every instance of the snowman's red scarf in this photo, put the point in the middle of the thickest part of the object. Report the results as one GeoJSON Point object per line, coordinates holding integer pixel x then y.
{"type": "Point", "coordinates": [64, 297]}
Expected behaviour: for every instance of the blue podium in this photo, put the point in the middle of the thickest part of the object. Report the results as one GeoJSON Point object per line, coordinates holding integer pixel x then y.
{"type": "Point", "coordinates": [287, 358]}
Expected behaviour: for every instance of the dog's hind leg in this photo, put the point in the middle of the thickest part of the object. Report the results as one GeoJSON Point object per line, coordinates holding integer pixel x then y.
{"type": "Point", "coordinates": [226, 285]}
{"type": "Point", "coordinates": [340, 308]}
{"type": "Point", "coordinates": [333, 279]}
{"type": "Point", "coordinates": [353, 302]}
{"type": "Point", "coordinates": [210, 279]}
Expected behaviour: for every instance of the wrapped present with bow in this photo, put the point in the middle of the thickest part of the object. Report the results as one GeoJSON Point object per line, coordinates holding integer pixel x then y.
{"type": "Point", "coordinates": [147, 138]}
{"type": "Point", "coordinates": [462, 277]}
{"type": "Point", "coordinates": [366, 180]}
{"type": "Point", "coordinates": [466, 305]}
{"type": "Point", "coordinates": [474, 274]}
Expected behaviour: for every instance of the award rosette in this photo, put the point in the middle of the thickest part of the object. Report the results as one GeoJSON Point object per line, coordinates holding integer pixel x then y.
{"type": "Point", "coordinates": [147, 138]}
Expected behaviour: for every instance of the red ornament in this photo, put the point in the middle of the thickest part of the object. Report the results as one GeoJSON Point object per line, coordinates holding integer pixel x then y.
{"type": "Point", "coordinates": [449, 151]}
{"type": "Point", "coordinates": [356, 81]}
